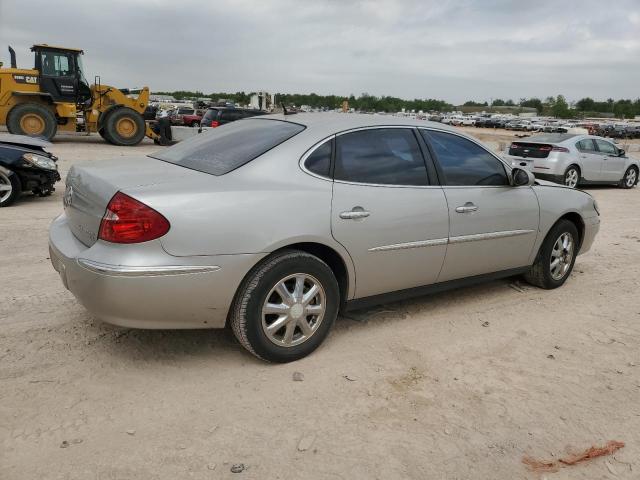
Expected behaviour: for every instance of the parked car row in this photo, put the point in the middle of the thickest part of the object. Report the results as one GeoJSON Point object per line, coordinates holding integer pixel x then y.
{"type": "Point", "coordinates": [617, 131]}
{"type": "Point", "coordinates": [210, 117]}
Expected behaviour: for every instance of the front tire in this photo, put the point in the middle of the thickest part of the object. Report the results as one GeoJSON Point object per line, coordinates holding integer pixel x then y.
{"type": "Point", "coordinates": [572, 176]}
{"type": "Point", "coordinates": [556, 257]}
{"type": "Point", "coordinates": [10, 187]}
{"type": "Point", "coordinates": [285, 306]}
{"type": "Point", "coordinates": [630, 178]}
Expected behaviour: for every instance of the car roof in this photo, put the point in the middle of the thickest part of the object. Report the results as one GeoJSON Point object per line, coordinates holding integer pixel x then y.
{"type": "Point", "coordinates": [327, 123]}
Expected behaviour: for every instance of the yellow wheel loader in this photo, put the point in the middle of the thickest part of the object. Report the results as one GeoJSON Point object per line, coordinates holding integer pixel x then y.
{"type": "Point", "coordinates": [55, 96]}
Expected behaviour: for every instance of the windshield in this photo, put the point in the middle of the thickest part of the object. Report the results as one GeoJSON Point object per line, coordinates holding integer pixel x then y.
{"type": "Point", "coordinates": [81, 69]}
{"type": "Point", "coordinates": [223, 149]}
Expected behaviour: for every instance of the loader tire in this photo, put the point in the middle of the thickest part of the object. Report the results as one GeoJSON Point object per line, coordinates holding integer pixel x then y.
{"type": "Point", "coordinates": [33, 120]}
{"type": "Point", "coordinates": [103, 134]}
{"type": "Point", "coordinates": [124, 127]}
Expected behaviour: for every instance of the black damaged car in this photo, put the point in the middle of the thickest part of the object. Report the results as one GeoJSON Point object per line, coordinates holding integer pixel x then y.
{"type": "Point", "coordinates": [25, 166]}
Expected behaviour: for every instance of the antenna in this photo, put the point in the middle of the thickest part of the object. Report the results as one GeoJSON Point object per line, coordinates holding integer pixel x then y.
{"type": "Point", "coordinates": [284, 109]}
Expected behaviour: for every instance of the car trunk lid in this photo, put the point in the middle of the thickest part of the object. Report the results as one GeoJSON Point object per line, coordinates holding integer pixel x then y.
{"type": "Point", "coordinates": [530, 149]}
{"type": "Point", "coordinates": [89, 188]}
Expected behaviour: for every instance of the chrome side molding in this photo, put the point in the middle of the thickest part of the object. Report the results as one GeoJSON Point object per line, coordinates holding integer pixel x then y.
{"type": "Point", "coordinates": [131, 271]}
{"type": "Point", "coordinates": [488, 236]}
{"type": "Point", "coordinates": [403, 246]}
{"type": "Point", "coordinates": [458, 239]}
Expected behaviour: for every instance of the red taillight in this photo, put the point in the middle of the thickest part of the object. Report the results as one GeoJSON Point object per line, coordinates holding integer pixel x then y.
{"type": "Point", "coordinates": [560, 149]}
{"type": "Point", "coordinates": [215, 123]}
{"type": "Point", "coordinates": [128, 220]}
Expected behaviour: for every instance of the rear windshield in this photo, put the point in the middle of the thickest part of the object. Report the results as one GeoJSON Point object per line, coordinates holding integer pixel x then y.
{"type": "Point", "coordinates": [223, 149]}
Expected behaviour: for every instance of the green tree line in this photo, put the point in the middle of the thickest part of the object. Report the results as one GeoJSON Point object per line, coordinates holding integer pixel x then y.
{"type": "Point", "coordinates": [364, 102]}
{"type": "Point", "coordinates": [559, 107]}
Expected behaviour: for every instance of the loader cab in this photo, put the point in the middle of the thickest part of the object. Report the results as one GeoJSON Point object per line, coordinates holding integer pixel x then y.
{"type": "Point", "coordinates": [61, 73]}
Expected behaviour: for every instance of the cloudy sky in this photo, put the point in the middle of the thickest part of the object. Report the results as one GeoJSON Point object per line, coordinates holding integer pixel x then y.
{"type": "Point", "coordinates": [453, 50]}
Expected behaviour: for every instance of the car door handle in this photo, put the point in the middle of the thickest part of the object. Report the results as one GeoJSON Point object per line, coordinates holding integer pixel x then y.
{"type": "Point", "coordinates": [467, 208]}
{"type": "Point", "coordinates": [355, 214]}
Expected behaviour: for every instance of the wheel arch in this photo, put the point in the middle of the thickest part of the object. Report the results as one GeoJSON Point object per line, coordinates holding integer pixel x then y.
{"type": "Point", "coordinates": [332, 258]}
{"type": "Point", "coordinates": [340, 263]}
{"type": "Point", "coordinates": [573, 217]}
{"type": "Point", "coordinates": [574, 164]}
{"type": "Point", "coordinates": [578, 221]}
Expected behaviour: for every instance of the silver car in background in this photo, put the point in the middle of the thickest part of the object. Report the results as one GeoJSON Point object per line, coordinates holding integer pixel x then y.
{"type": "Point", "coordinates": [574, 160]}
{"type": "Point", "coordinates": [273, 224]}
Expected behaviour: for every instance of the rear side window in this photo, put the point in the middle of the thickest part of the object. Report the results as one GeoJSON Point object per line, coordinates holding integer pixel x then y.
{"type": "Point", "coordinates": [221, 150]}
{"type": "Point", "coordinates": [250, 113]}
{"type": "Point", "coordinates": [586, 145]}
{"type": "Point", "coordinates": [210, 116]}
{"type": "Point", "coordinates": [319, 162]}
{"type": "Point", "coordinates": [230, 115]}
{"type": "Point", "coordinates": [385, 156]}
{"type": "Point", "coordinates": [606, 147]}
{"type": "Point", "coordinates": [464, 162]}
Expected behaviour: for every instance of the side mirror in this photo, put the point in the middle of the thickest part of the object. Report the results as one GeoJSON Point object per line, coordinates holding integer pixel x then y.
{"type": "Point", "coordinates": [621, 152]}
{"type": "Point", "coordinates": [521, 177]}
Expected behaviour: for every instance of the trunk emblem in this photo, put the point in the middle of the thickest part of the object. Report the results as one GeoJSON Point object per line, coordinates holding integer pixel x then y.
{"type": "Point", "coordinates": [67, 199]}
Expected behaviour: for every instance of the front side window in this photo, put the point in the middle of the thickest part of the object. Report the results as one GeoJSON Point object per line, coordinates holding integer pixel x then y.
{"type": "Point", "coordinates": [606, 147]}
{"type": "Point", "coordinates": [221, 150]}
{"type": "Point", "coordinates": [586, 145]}
{"type": "Point", "coordinates": [319, 162]}
{"type": "Point", "coordinates": [463, 162]}
{"type": "Point", "coordinates": [384, 156]}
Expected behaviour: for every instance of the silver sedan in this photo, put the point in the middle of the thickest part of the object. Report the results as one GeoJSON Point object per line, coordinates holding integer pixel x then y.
{"type": "Point", "coordinates": [575, 160]}
{"type": "Point", "coordinates": [272, 225]}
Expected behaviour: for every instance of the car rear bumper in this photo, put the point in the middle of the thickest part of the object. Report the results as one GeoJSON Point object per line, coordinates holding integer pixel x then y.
{"type": "Point", "coordinates": [174, 292]}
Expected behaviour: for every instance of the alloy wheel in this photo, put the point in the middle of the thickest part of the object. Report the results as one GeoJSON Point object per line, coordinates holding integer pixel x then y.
{"type": "Point", "coordinates": [293, 310]}
{"type": "Point", "coordinates": [5, 187]}
{"type": "Point", "coordinates": [571, 178]}
{"type": "Point", "coordinates": [631, 177]}
{"type": "Point", "coordinates": [561, 256]}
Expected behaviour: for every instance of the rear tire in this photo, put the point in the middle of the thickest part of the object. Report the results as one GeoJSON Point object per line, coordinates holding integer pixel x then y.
{"type": "Point", "coordinates": [630, 178]}
{"type": "Point", "coordinates": [556, 257]}
{"type": "Point", "coordinates": [104, 135]}
{"type": "Point", "coordinates": [276, 297]}
{"type": "Point", "coordinates": [124, 126]}
{"type": "Point", "coordinates": [10, 187]}
{"type": "Point", "coordinates": [572, 176]}
{"type": "Point", "coordinates": [33, 120]}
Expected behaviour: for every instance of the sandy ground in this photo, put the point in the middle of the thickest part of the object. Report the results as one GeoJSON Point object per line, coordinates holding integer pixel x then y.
{"type": "Point", "coordinates": [458, 385]}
